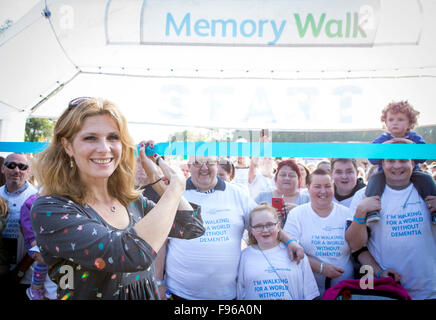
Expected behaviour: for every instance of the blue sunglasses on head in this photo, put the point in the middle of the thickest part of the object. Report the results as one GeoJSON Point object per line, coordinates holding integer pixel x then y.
{"type": "Point", "coordinates": [76, 101]}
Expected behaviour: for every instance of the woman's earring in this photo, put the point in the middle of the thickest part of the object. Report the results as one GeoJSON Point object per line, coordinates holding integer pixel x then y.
{"type": "Point", "coordinates": [71, 163]}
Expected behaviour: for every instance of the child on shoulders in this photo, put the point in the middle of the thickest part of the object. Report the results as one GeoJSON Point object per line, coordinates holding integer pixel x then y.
{"type": "Point", "coordinates": [399, 118]}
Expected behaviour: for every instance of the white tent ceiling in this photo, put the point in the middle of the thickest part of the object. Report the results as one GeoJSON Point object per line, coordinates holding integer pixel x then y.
{"type": "Point", "coordinates": [118, 50]}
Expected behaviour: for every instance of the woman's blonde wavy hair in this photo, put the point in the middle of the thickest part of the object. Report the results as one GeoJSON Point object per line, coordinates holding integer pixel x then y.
{"type": "Point", "coordinates": [52, 166]}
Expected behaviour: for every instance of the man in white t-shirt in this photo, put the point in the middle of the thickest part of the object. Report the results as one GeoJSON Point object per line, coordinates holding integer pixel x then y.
{"type": "Point", "coordinates": [206, 268]}
{"type": "Point", "coordinates": [404, 239]}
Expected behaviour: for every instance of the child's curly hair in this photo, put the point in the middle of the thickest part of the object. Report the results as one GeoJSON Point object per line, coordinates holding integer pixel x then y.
{"type": "Point", "coordinates": [403, 107]}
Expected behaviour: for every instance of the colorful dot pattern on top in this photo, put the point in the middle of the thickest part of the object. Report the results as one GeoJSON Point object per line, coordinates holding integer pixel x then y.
{"type": "Point", "coordinates": [107, 263]}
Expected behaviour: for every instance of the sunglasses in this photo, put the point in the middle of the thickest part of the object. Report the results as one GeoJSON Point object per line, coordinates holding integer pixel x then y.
{"type": "Point", "coordinates": [76, 101]}
{"type": "Point", "coordinates": [13, 165]}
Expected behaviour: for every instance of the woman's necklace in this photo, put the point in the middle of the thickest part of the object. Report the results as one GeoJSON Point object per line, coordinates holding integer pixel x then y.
{"type": "Point", "coordinates": [113, 209]}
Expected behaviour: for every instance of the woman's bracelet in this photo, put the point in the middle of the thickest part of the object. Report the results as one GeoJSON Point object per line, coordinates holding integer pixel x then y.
{"type": "Point", "coordinates": [321, 267]}
{"type": "Point", "coordinates": [379, 273]}
{"type": "Point", "coordinates": [289, 241]}
{"type": "Point", "coordinates": [150, 184]}
{"type": "Point", "coordinates": [359, 220]}
{"type": "Point", "coordinates": [157, 159]}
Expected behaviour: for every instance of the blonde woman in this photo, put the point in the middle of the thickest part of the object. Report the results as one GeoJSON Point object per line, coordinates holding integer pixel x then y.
{"type": "Point", "coordinates": [90, 221]}
{"type": "Point", "coordinates": [265, 270]}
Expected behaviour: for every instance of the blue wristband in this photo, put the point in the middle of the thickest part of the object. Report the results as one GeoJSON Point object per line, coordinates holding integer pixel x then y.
{"type": "Point", "coordinates": [379, 273]}
{"type": "Point", "coordinates": [289, 241]}
{"type": "Point", "coordinates": [359, 220]}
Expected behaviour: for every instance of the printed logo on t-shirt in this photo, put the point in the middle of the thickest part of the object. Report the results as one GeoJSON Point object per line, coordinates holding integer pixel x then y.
{"type": "Point", "coordinates": [328, 228]}
{"type": "Point", "coordinates": [271, 289]}
{"type": "Point", "coordinates": [274, 270]}
{"type": "Point", "coordinates": [328, 245]}
{"type": "Point", "coordinates": [405, 224]}
{"type": "Point", "coordinates": [217, 230]}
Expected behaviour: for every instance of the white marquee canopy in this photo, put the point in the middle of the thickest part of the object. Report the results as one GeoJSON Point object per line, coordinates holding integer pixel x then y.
{"type": "Point", "coordinates": [294, 65]}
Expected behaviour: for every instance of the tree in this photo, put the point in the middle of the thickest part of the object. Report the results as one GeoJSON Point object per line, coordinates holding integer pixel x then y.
{"type": "Point", "coordinates": [39, 130]}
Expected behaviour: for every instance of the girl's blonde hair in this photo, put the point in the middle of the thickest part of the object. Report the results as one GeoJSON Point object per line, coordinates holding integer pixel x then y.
{"type": "Point", "coordinates": [52, 167]}
{"type": "Point", "coordinates": [263, 206]}
{"type": "Point", "coordinates": [3, 208]}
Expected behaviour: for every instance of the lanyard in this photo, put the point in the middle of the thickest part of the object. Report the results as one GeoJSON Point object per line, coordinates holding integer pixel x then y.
{"type": "Point", "coordinates": [275, 271]}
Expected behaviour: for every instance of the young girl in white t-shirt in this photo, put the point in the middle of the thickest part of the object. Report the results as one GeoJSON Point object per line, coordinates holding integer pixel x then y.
{"type": "Point", "coordinates": [265, 270]}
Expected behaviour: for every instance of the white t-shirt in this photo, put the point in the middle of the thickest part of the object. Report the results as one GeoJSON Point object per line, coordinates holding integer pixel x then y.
{"type": "Point", "coordinates": [345, 202]}
{"type": "Point", "coordinates": [260, 184]}
{"type": "Point", "coordinates": [290, 281]}
{"type": "Point", "coordinates": [322, 238]}
{"type": "Point", "coordinates": [404, 239]}
{"type": "Point", "coordinates": [241, 176]}
{"type": "Point", "coordinates": [206, 268]}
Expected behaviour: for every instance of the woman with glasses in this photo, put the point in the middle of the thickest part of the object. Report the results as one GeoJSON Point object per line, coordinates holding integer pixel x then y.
{"type": "Point", "coordinates": [319, 226]}
{"type": "Point", "coordinates": [96, 232]}
{"type": "Point", "coordinates": [265, 270]}
{"type": "Point", "coordinates": [286, 194]}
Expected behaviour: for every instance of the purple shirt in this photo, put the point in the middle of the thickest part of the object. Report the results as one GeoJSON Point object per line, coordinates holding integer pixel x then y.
{"type": "Point", "coordinates": [25, 222]}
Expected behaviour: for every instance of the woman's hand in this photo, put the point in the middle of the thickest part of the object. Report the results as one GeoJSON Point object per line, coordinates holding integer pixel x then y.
{"type": "Point", "coordinates": [162, 292]}
{"type": "Point", "coordinates": [331, 271]}
{"type": "Point", "coordinates": [174, 176]}
{"type": "Point", "coordinates": [296, 252]}
{"type": "Point", "coordinates": [430, 201]}
{"type": "Point", "coordinates": [37, 256]}
{"type": "Point", "coordinates": [147, 162]}
{"type": "Point", "coordinates": [391, 273]}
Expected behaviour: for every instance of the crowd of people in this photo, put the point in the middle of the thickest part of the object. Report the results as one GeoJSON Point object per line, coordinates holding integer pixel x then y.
{"type": "Point", "coordinates": [101, 222]}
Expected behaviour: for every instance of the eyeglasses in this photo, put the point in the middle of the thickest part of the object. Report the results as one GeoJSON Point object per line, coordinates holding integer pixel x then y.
{"type": "Point", "coordinates": [76, 101]}
{"type": "Point", "coordinates": [199, 164]}
{"type": "Point", "coordinates": [268, 226]}
{"type": "Point", "coordinates": [289, 175]}
{"type": "Point", "coordinates": [13, 165]}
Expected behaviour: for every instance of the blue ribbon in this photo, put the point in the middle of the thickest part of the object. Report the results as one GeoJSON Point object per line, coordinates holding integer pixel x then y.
{"type": "Point", "coordinates": [275, 149]}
